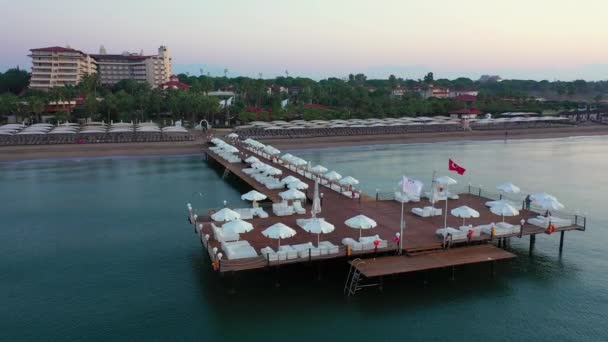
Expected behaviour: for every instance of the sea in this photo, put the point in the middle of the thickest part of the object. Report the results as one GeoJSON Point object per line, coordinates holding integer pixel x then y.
{"type": "Point", "coordinates": [100, 250]}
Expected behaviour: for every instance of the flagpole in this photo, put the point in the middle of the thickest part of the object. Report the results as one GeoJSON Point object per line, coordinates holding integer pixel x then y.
{"type": "Point", "coordinates": [401, 229]}
{"type": "Point", "coordinates": [445, 219]}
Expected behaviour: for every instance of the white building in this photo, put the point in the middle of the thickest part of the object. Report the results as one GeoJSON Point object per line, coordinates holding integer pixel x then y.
{"type": "Point", "coordinates": [153, 69]}
{"type": "Point", "coordinates": [58, 66]}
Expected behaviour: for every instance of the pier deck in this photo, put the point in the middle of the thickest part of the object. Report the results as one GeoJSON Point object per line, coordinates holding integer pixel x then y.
{"type": "Point", "coordinates": [398, 264]}
{"type": "Point", "coordinates": [419, 233]}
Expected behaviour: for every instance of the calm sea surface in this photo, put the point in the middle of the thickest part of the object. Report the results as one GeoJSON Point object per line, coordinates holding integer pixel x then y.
{"type": "Point", "coordinates": [99, 249]}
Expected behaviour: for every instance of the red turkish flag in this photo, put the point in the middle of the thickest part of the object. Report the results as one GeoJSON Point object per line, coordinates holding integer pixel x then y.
{"type": "Point", "coordinates": [455, 167]}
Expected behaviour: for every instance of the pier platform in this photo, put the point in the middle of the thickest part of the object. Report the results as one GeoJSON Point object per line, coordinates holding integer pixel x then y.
{"type": "Point", "coordinates": [422, 248]}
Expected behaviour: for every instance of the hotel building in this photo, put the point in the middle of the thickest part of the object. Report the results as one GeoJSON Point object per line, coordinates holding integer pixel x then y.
{"type": "Point", "coordinates": [57, 67]}
{"type": "Point", "coordinates": [155, 69]}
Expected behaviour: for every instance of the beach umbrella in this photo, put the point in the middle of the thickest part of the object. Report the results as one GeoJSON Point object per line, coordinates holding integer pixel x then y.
{"type": "Point", "coordinates": [297, 185]}
{"type": "Point", "coordinates": [225, 215]}
{"type": "Point", "coordinates": [509, 188]}
{"type": "Point", "coordinates": [333, 175]}
{"type": "Point", "coordinates": [318, 226]}
{"type": "Point", "coordinates": [549, 203]}
{"type": "Point", "coordinates": [464, 212]}
{"type": "Point", "coordinates": [252, 160]}
{"type": "Point", "coordinates": [238, 226]}
{"type": "Point", "coordinates": [279, 231]}
{"type": "Point", "coordinates": [287, 157]}
{"type": "Point", "coordinates": [318, 169]}
{"type": "Point", "coordinates": [271, 150]}
{"type": "Point", "coordinates": [298, 161]}
{"type": "Point", "coordinates": [233, 135]}
{"type": "Point", "coordinates": [348, 180]}
{"type": "Point", "coordinates": [540, 195]}
{"type": "Point", "coordinates": [447, 181]}
{"type": "Point", "coordinates": [503, 209]}
{"type": "Point", "coordinates": [253, 196]}
{"type": "Point", "coordinates": [230, 148]}
{"type": "Point", "coordinates": [289, 179]}
{"type": "Point", "coordinates": [260, 166]}
{"type": "Point", "coordinates": [273, 171]}
{"type": "Point", "coordinates": [316, 201]}
{"type": "Point", "coordinates": [360, 222]}
{"type": "Point", "coordinates": [292, 194]}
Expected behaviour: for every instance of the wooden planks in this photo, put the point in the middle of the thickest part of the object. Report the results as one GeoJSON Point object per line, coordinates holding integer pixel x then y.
{"type": "Point", "coordinates": [388, 265]}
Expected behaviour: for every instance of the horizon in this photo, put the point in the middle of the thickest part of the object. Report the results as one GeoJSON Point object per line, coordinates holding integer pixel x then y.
{"type": "Point", "coordinates": [318, 40]}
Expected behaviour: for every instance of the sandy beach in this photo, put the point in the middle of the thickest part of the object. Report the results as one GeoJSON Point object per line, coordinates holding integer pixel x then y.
{"type": "Point", "coordinates": [37, 152]}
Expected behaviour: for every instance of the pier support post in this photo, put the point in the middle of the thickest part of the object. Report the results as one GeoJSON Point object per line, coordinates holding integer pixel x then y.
{"type": "Point", "coordinates": [492, 268]}
{"type": "Point", "coordinates": [453, 271]}
{"type": "Point", "coordinates": [532, 241]}
{"type": "Point", "coordinates": [561, 241]}
{"type": "Point", "coordinates": [381, 284]}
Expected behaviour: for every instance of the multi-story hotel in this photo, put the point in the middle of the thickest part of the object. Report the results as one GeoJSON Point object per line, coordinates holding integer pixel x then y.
{"type": "Point", "coordinates": [155, 69]}
{"type": "Point", "coordinates": [57, 67]}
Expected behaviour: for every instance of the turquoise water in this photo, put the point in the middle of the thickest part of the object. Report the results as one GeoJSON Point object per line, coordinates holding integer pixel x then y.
{"type": "Point", "coordinates": [99, 249]}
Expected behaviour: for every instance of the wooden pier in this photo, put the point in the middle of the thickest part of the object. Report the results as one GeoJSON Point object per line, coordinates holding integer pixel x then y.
{"type": "Point", "coordinates": [422, 248]}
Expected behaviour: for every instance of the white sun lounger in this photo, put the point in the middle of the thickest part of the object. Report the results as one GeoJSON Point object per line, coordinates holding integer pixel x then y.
{"type": "Point", "coordinates": [327, 247]}
{"type": "Point", "coordinates": [297, 206]}
{"type": "Point", "coordinates": [238, 250]}
{"type": "Point", "coordinates": [427, 211]}
{"type": "Point", "coordinates": [271, 255]}
{"type": "Point", "coordinates": [306, 249]}
{"type": "Point", "coordinates": [221, 236]}
{"type": "Point", "coordinates": [368, 242]}
{"type": "Point", "coordinates": [259, 212]}
{"type": "Point", "coordinates": [290, 252]}
{"type": "Point", "coordinates": [354, 245]}
{"type": "Point", "coordinates": [456, 234]}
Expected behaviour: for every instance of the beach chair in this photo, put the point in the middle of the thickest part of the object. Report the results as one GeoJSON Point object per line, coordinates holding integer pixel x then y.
{"type": "Point", "coordinates": [368, 242]}
{"type": "Point", "coordinates": [353, 244]}
{"type": "Point", "coordinates": [327, 247]}
{"type": "Point", "coordinates": [238, 250]}
{"type": "Point", "coordinates": [221, 236]}
{"type": "Point", "coordinates": [289, 251]}
{"type": "Point", "coordinates": [427, 211]}
{"type": "Point", "coordinates": [456, 234]}
{"type": "Point", "coordinates": [271, 255]}
{"type": "Point", "coordinates": [306, 249]}
{"type": "Point", "coordinates": [299, 209]}
{"type": "Point", "coordinates": [282, 209]}
{"type": "Point", "coordinates": [259, 212]}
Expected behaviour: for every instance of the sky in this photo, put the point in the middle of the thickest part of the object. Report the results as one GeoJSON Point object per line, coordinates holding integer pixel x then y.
{"type": "Point", "coordinates": [524, 39]}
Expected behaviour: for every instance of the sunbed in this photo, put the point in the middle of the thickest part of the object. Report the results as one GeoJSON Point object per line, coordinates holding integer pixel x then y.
{"type": "Point", "coordinates": [427, 211]}
{"type": "Point", "coordinates": [327, 247]}
{"type": "Point", "coordinates": [271, 255]}
{"type": "Point", "coordinates": [306, 249]}
{"type": "Point", "coordinates": [238, 250]}
{"type": "Point", "coordinates": [220, 235]}
{"type": "Point", "coordinates": [289, 251]}
{"type": "Point", "coordinates": [456, 234]}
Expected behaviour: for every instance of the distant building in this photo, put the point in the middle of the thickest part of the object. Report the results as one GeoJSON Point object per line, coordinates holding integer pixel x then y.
{"type": "Point", "coordinates": [490, 78]}
{"type": "Point", "coordinates": [466, 113]}
{"type": "Point", "coordinates": [435, 91]}
{"type": "Point", "coordinates": [174, 83]}
{"type": "Point", "coordinates": [275, 89]}
{"type": "Point", "coordinates": [58, 66]}
{"type": "Point", "coordinates": [153, 69]}
{"type": "Point", "coordinates": [398, 91]}
{"type": "Point", "coordinates": [465, 92]}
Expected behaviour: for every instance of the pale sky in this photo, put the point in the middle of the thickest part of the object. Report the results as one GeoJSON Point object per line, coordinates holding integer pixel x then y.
{"type": "Point", "coordinates": [551, 39]}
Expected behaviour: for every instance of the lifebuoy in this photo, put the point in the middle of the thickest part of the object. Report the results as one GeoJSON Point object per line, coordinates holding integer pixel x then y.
{"type": "Point", "coordinates": [550, 229]}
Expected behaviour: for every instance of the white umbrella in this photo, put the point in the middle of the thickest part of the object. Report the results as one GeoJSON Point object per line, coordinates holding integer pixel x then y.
{"type": "Point", "coordinates": [333, 175]}
{"type": "Point", "coordinates": [464, 212]}
{"type": "Point", "coordinates": [238, 226]}
{"type": "Point", "coordinates": [540, 195]}
{"type": "Point", "coordinates": [253, 196]}
{"type": "Point", "coordinates": [233, 135]}
{"type": "Point", "coordinates": [316, 201]}
{"type": "Point", "coordinates": [259, 165]}
{"type": "Point", "coordinates": [273, 171]}
{"type": "Point", "coordinates": [287, 157]}
{"type": "Point", "coordinates": [279, 231]}
{"type": "Point", "coordinates": [271, 150]}
{"type": "Point", "coordinates": [549, 203]}
{"type": "Point", "coordinates": [298, 161]}
{"type": "Point", "coordinates": [251, 160]}
{"type": "Point", "coordinates": [503, 209]}
{"type": "Point", "coordinates": [292, 194]}
{"type": "Point", "coordinates": [447, 181]}
{"type": "Point", "coordinates": [297, 185]}
{"type": "Point", "coordinates": [509, 188]}
{"type": "Point", "coordinates": [348, 180]}
{"type": "Point", "coordinates": [360, 222]}
{"type": "Point", "coordinates": [226, 214]}
{"type": "Point", "coordinates": [230, 148]}
{"type": "Point", "coordinates": [318, 169]}
{"type": "Point", "coordinates": [289, 179]}
{"type": "Point", "coordinates": [318, 226]}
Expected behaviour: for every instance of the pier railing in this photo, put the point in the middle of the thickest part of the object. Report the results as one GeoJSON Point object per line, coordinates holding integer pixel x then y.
{"type": "Point", "coordinates": [226, 265]}
{"type": "Point", "coordinates": [576, 219]}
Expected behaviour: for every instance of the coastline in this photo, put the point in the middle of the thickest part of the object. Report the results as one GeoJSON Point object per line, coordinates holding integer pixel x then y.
{"type": "Point", "coordinates": [417, 138]}
{"type": "Point", "coordinates": [41, 152]}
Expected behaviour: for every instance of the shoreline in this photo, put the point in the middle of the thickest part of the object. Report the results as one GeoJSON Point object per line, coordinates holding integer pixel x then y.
{"type": "Point", "coordinates": [69, 151]}
{"type": "Point", "coordinates": [418, 138]}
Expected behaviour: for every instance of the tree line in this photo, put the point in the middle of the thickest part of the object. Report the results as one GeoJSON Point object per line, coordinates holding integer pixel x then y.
{"type": "Point", "coordinates": [265, 99]}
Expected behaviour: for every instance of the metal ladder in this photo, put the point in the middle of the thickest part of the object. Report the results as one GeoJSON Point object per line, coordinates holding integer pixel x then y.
{"type": "Point", "coordinates": [226, 173]}
{"type": "Point", "coordinates": [354, 278]}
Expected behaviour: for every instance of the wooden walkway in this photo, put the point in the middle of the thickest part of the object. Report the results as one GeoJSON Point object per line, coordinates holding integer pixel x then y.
{"type": "Point", "coordinates": [382, 266]}
{"type": "Point", "coordinates": [419, 234]}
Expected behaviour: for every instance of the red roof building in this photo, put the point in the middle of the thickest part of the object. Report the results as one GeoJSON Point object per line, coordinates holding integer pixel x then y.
{"type": "Point", "coordinates": [466, 98]}
{"type": "Point", "coordinates": [174, 83]}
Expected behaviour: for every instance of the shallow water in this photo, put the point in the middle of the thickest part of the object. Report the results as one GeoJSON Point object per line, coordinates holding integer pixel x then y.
{"type": "Point", "coordinates": [100, 250]}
